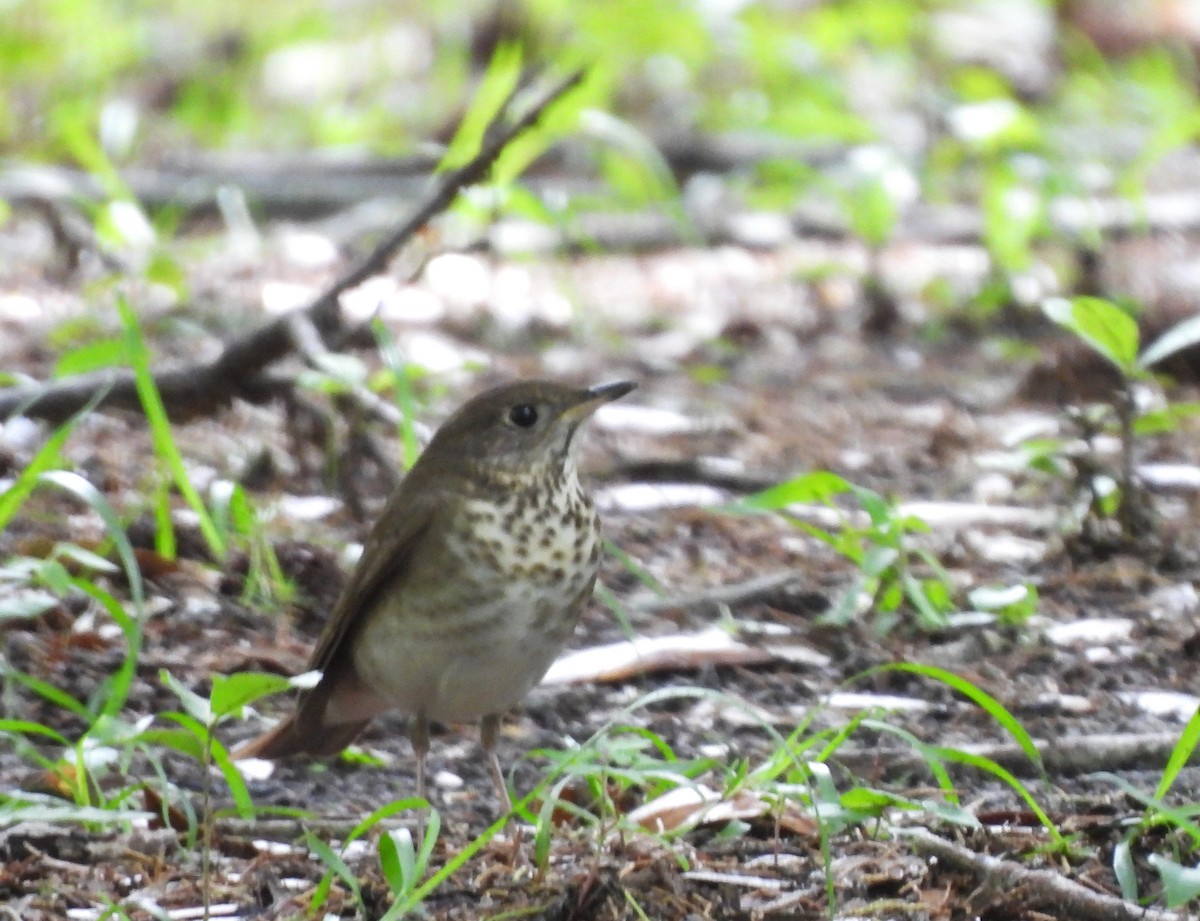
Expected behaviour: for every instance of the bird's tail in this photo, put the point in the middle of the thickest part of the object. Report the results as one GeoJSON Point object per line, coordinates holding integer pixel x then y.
{"type": "Point", "coordinates": [286, 738]}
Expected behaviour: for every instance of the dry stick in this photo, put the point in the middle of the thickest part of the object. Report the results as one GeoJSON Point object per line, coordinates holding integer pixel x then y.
{"type": "Point", "coordinates": [1042, 890]}
{"type": "Point", "coordinates": [309, 343]}
{"type": "Point", "coordinates": [300, 184]}
{"type": "Point", "coordinates": [291, 830]}
{"type": "Point", "coordinates": [199, 389]}
{"type": "Point", "coordinates": [1061, 756]}
{"type": "Point", "coordinates": [707, 470]}
{"type": "Point", "coordinates": [766, 587]}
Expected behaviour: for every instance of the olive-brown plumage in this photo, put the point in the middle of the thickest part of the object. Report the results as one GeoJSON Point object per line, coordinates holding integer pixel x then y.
{"type": "Point", "coordinates": [469, 584]}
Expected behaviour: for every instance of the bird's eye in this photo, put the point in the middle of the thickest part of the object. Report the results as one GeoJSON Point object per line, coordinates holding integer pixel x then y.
{"type": "Point", "coordinates": [523, 415]}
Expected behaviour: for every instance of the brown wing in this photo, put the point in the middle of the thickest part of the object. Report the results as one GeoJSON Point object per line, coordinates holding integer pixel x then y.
{"type": "Point", "coordinates": [407, 516]}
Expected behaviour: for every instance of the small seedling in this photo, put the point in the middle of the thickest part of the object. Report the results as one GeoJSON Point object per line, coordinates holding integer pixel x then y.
{"type": "Point", "coordinates": [75, 773]}
{"type": "Point", "coordinates": [1181, 884]}
{"type": "Point", "coordinates": [238, 521]}
{"type": "Point", "coordinates": [403, 864]}
{"type": "Point", "coordinates": [1113, 333]}
{"type": "Point", "coordinates": [892, 575]}
{"type": "Point", "coordinates": [196, 737]}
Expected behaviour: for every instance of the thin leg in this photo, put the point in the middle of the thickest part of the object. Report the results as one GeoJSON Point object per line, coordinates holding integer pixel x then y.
{"type": "Point", "coordinates": [489, 729]}
{"type": "Point", "coordinates": [418, 733]}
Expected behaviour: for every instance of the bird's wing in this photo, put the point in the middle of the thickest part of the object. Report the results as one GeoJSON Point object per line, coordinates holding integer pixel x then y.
{"type": "Point", "coordinates": [408, 515]}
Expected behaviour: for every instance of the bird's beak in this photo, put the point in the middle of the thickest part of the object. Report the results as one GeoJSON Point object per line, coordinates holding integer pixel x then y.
{"type": "Point", "coordinates": [594, 397]}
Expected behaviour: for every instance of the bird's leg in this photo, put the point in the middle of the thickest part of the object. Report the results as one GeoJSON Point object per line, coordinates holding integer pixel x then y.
{"type": "Point", "coordinates": [489, 729]}
{"type": "Point", "coordinates": [418, 733]}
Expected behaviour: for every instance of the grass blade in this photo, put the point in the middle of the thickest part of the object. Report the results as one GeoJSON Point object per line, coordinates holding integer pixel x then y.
{"type": "Point", "coordinates": [160, 427]}
{"type": "Point", "coordinates": [976, 695]}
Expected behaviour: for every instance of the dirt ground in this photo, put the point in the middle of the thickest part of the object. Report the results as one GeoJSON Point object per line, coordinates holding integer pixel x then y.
{"type": "Point", "coordinates": [752, 369]}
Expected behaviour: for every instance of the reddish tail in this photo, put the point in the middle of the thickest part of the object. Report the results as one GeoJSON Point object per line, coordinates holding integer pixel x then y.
{"type": "Point", "coordinates": [287, 738]}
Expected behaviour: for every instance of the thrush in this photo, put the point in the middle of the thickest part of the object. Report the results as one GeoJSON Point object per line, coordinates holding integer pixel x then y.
{"type": "Point", "coordinates": [469, 584]}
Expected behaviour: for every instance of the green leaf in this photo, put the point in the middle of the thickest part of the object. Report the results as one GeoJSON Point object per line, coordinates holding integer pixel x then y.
{"type": "Point", "coordinates": [977, 695]}
{"type": "Point", "coordinates": [86, 559]}
{"type": "Point", "coordinates": [25, 605]}
{"type": "Point", "coordinates": [930, 598]}
{"type": "Point", "coordinates": [632, 164]}
{"type": "Point", "coordinates": [1157, 812]}
{"type": "Point", "coordinates": [92, 357]}
{"type": "Point", "coordinates": [1101, 324]}
{"type": "Point", "coordinates": [25, 727]}
{"type": "Point", "coordinates": [817, 486]}
{"type": "Point", "coordinates": [1012, 215]}
{"type": "Point", "coordinates": [165, 544]}
{"type": "Point", "coordinates": [385, 811]}
{"type": "Point", "coordinates": [193, 704]}
{"type": "Point", "coordinates": [1125, 871]}
{"type": "Point", "coordinates": [397, 858]}
{"type": "Point", "coordinates": [241, 512]}
{"type": "Point", "coordinates": [242, 799]}
{"type": "Point", "coordinates": [114, 690]}
{"type": "Point", "coordinates": [1165, 420]}
{"type": "Point", "coordinates": [869, 801]}
{"type": "Point", "coordinates": [334, 862]}
{"type": "Point", "coordinates": [403, 375]}
{"type": "Point", "coordinates": [47, 456]}
{"type": "Point", "coordinates": [54, 576]}
{"type": "Point", "coordinates": [432, 831]}
{"type": "Point", "coordinates": [878, 509]}
{"type": "Point", "coordinates": [933, 761]}
{"type": "Point", "coordinates": [871, 211]}
{"type": "Point", "coordinates": [501, 78]}
{"type": "Point", "coordinates": [185, 741]}
{"type": "Point", "coordinates": [879, 561]}
{"type": "Point", "coordinates": [47, 690]}
{"type": "Point", "coordinates": [167, 271]}
{"type": "Point", "coordinates": [639, 572]}
{"type": "Point", "coordinates": [1181, 884]}
{"type": "Point", "coordinates": [555, 123]}
{"type": "Point", "coordinates": [1007, 777]}
{"type": "Point", "coordinates": [77, 486]}
{"type": "Point", "coordinates": [230, 693]}
{"type": "Point", "coordinates": [1180, 755]}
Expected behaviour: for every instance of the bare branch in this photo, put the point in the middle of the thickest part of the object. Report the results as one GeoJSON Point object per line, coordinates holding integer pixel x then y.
{"type": "Point", "coordinates": [200, 389]}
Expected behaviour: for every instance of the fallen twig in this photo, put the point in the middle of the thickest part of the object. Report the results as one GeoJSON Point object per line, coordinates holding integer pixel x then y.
{"type": "Point", "coordinates": [782, 589]}
{"type": "Point", "coordinates": [306, 183]}
{"type": "Point", "coordinates": [1044, 890]}
{"type": "Point", "coordinates": [308, 342]}
{"type": "Point", "coordinates": [1065, 756]}
{"type": "Point", "coordinates": [199, 389]}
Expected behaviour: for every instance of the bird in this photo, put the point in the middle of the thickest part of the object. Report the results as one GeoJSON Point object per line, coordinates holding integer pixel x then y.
{"type": "Point", "coordinates": [469, 585]}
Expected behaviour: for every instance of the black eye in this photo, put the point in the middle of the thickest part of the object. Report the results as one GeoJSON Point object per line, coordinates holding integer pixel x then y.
{"type": "Point", "coordinates": [523, 415]}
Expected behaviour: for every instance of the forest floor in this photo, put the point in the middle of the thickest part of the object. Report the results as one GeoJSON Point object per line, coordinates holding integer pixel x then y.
{"type": "Point", "coordinates": [753, 368]}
